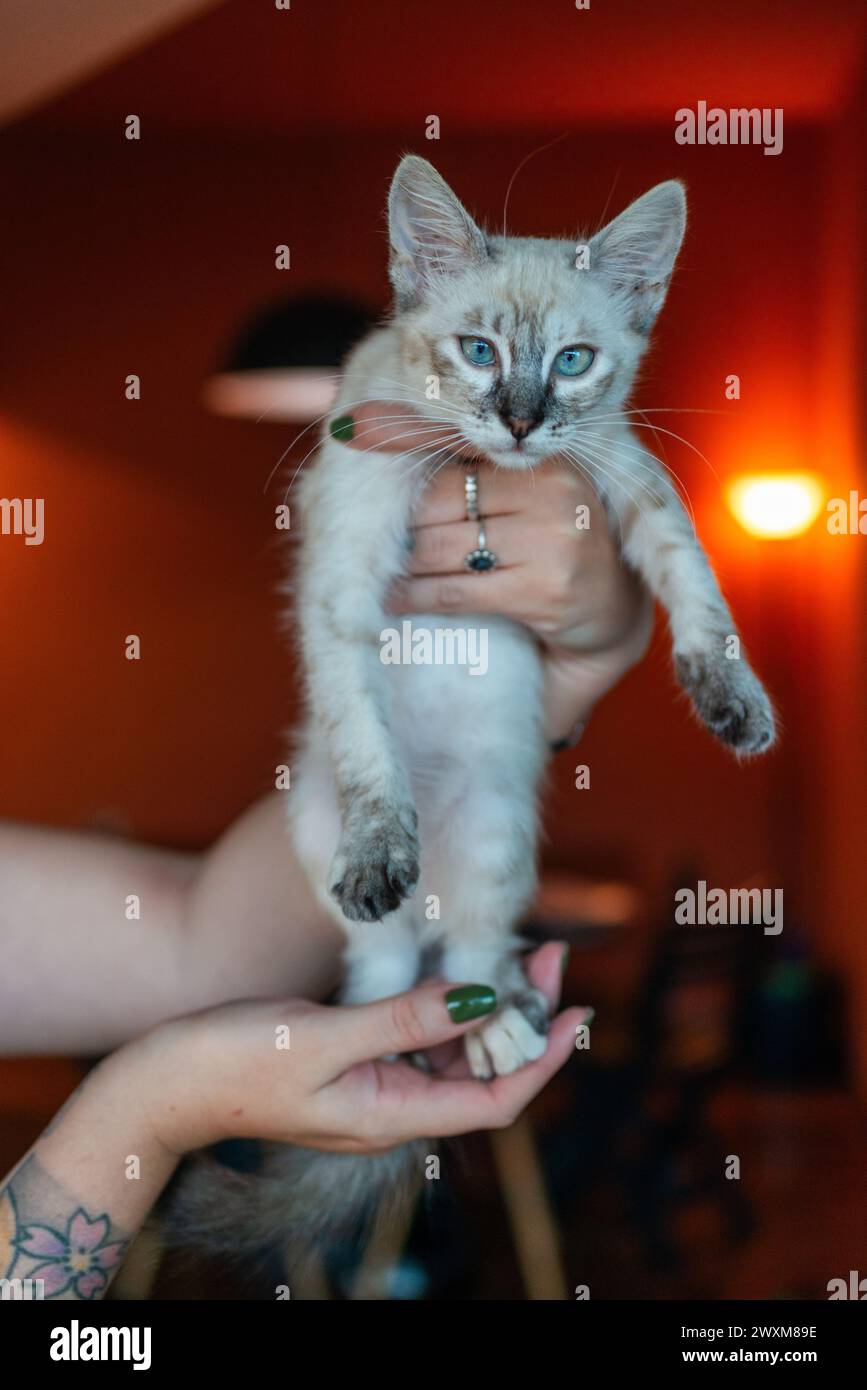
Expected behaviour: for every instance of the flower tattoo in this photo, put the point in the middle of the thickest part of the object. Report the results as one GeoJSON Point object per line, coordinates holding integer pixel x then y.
{"type": "Point", "coordinates": [81, 1258]}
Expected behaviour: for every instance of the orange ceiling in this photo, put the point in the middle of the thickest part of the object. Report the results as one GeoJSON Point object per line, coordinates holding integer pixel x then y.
{"type": "Point", "coordinates": [368, 64]}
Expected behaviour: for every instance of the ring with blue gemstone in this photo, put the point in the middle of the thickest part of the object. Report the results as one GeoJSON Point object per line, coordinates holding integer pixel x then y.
{"type": "Point", "coordinates": [481, 559]}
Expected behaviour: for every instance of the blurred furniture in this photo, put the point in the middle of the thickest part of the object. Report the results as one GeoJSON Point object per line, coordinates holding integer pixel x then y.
{"type": "Point", "coordinates": [671, 1002]}
{"type": "Point", "coordinates": [686, 1033]}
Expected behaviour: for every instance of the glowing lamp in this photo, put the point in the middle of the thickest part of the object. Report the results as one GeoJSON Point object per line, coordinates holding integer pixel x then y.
{"type": "Point", "coordinates": [775, 506]}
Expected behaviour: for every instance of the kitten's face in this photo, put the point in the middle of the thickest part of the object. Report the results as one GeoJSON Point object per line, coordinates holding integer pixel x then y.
{"type": "Point", "coordinates": [522, 348]}
{"type": "Point", "coordinates": [525, 347]}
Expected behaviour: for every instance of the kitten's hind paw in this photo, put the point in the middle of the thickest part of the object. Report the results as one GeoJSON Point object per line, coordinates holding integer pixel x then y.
{"type": "Point", "coordinates": [730, 699]}
{"type": "Point", "coordinates": [514, 1035]}
{"type": "Point", "coordinates": [376, 866]}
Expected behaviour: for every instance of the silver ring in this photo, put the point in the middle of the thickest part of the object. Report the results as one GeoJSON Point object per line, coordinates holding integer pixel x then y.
{"type": "Point", "coordinates": [471, 494]}
{"type": "Point", "coordinates": [481, 559]}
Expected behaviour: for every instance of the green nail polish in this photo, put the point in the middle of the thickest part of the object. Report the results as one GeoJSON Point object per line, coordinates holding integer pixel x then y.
{"type": "Point", "coordinates": [470, 1001]}
{"type": "Point", "coordinates": [343, 428]}
{"type": "Point", "coordinates": [564, 962]}
{"type": "Point", "coordinates": [591, 1014]}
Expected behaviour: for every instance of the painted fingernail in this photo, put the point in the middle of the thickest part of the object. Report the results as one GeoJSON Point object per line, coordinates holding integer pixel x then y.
{"type": "Point", "coordinates": [564, 962]}
{"type": "Point", "coordinates": [470, 1001]}
{"type": "Point", "coordinates": [342, 428]}
{"type": "Point", "coordinates": [589, 1015]}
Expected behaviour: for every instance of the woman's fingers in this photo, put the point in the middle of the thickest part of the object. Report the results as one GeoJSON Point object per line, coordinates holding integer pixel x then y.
{"type": "Point", "coordinates": [497, 591]}
{"type": "Point", "coordinates": [410, 1022]}
{"type": "Point", "coordinates": [545, 969]}
{"type": "Point", "coordinates": [411, 1103]}
{"type": "Point", "coordinates": [443, 549]}
{"type": "Point", "coordinates": [391, 1102]}
{"type": "Point", "coordinates": [548, 491]}
{"type": "Point", "coordinates": [390, 426]}
{"type": "Point", "coordinates": [500, 493]}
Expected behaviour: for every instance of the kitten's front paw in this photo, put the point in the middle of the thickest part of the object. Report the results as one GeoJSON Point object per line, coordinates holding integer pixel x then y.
{"type": "Point", "coordinates": [730, 699]}
{"type": "Point", "coordinates": [515, 1034]}
{"type": "Point", "coordinates": [376, 865]}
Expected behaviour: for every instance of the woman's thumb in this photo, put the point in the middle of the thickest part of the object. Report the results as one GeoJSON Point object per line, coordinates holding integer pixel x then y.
{"type": "Point", "coordinates": [411, 1022]}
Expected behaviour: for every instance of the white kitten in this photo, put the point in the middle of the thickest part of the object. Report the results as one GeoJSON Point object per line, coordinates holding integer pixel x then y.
{"type": "Point", "coordinates": [417, 785]}
{"type": "Point", "coordinates": [417, 782]}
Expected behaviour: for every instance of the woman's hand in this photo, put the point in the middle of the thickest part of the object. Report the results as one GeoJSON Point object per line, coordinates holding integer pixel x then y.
{"type": "Point", "coordinates": [296, 1072]}
{"type": "Point", "coordinates": [565, 581]}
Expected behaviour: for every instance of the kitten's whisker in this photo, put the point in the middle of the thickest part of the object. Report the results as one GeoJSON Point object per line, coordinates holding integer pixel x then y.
{"type": "Point", "coordinates": [452, 458]}
{"type": "Point", "coordinates": [645, 453]}
{"type": "Point", "coordinates": [527, 157]}
{"type": "Point", "coordinates": [362, 400]}
{"type": "Point", "coordinates": [425, 461]}
{"type": "Point", "coordinates": [656, 430]}
{"type": "Point", "coordinates": [592, 472]}
{"type": "Point", "coordinates": [605, 461]}
{"type": "Point", "coordinates": [396, 419]}
{"type": "Point", "coordinates": [412, 433]}
{"type": "Point", "coordinates": [627, 469]}
{"type": "Point", "coordinates": [659, 443]}
{"type": "Point", "coordinates": [637, 425]}
{"type": "Point", "coordinates": [600, 224]}
{"type": "Point", "coordinates": [349, 405]}
{"type": "Point", "coordinates": [390, 458]}
{"type": "Point", "coordinates": [657, 410]}
{"type": "Point", "coordinates": [386, 398]}
{"type": "Point", "coordinates": [603, 442]}
{"type": "Point", "coordinates": [401, 455]}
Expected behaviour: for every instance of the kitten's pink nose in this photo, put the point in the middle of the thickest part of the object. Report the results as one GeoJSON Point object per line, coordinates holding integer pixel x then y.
{"type": "Point", "coordinates": [519, 426]}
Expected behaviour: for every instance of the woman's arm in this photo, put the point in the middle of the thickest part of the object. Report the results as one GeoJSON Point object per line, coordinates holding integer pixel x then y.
{"type": "Point", "coordinates": [70, 1208]}
{"type": "Point", "coordinates": [77, 975]}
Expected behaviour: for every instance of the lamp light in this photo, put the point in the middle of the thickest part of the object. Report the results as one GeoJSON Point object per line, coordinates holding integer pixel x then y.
{"type": "Point", "coordinates": [775, 506]}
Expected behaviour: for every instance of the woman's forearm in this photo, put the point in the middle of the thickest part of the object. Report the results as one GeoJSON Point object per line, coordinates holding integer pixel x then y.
{"type": "Point", "coordinates": [79, 971]}
{"type": "Point", "coordinates": [101, 939]}
{"type": "Point", "coordinates": [70, 1208]}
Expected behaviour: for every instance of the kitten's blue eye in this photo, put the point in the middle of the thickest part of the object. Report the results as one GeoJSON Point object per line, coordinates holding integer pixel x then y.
{"type": "Point", "coordinates": [478, 351]}
{"type": "Point", "coordinates": [573, 361]}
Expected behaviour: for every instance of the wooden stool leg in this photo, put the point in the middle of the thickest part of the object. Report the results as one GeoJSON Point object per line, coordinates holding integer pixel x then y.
{"type": "Point", "coordinates": [530, 1216]}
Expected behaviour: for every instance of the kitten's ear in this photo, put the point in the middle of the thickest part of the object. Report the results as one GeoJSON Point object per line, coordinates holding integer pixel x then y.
{"type": "Point", "coordinates": [431, 233]}
{"type": "Point", "coordinates": [637, 251]}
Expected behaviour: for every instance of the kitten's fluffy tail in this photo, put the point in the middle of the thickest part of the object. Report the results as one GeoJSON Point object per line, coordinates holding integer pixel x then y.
{"type": "Point", "coordinates": [299, 1202]}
